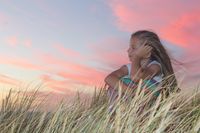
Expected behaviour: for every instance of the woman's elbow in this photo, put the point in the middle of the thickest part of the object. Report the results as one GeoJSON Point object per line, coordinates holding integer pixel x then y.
{"type": "Point", "coordinates": [109, 79]}
{"type": "Point", "coordinates": [106, 79]}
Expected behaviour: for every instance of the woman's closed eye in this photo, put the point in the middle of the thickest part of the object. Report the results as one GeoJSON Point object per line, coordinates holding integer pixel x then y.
{"type": "Point", "coordinates": [134, 49]}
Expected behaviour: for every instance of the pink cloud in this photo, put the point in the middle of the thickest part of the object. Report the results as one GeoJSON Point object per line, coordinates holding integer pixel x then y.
{"type": "Point", "coordinates": [65, 85]}
{"type": "Point", "coordinates": [184, 30]}
{"type": "Point", "coordinates": [177, 26]}
{"type": "Point", "coordinates": [9, 80]}
{"type": "Point", "coordinates": [111, 60]}
{"type": "Point", "coordinates": [90, 77]}
{"type": "Point", "coordinates": [65, 75]}
{"type": "Point", "coordinates": [67, 65]}
{"type": "Point", "coordinates": [69, 70]}
{"type": "Point", "coordinates": [74, 73]}
{"type": "Point", "coordinates": [19, 62]}
{"type": "Point", "coordinates": [110, 53]}
{"type": "Point", "coordinates": [68, 52]}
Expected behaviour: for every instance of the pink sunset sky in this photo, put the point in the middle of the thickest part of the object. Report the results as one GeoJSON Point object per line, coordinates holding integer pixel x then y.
{"type": "Point", "coordinates": [73, 45]}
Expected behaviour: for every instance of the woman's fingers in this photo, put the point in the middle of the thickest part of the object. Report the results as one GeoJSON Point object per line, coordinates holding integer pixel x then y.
{"type": "Point", "coordinates": [147, 51]}
{"type": "Point", "coordinates": [148, 48]}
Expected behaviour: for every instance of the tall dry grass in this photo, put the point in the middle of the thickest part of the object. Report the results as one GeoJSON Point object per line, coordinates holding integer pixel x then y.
{"type": "Point", "coordinates": [20, 113]}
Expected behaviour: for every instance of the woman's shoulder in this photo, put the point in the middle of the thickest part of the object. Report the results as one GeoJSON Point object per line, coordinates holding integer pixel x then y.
{"type": "Point", "coordinates": [154, 62]}
{"type": "Point", "coordinates": [159, 76]}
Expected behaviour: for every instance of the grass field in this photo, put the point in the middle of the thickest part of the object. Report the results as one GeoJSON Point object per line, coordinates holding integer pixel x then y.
{"type": "Point", "coordinates": [21, 113]}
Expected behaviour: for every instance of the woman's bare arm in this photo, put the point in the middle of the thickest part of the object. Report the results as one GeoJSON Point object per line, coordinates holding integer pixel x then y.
{"type": "Point", "coordinates": [137, 72]}
{"type": "Point", "coordinates": [113, 78]}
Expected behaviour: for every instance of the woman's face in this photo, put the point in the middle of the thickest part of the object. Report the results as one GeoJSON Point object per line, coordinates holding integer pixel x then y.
{"type": "Point", "coordinates": [134, 45]}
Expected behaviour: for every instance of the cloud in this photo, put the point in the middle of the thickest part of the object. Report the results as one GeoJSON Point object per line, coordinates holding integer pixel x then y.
{"type": "Point", "coordinates": [19, 62]}
{"type": "Point", "coordinates": [64, 74]}
{"type": "Point", "coordinates": [69, 73]}
{"type": "Point", "coordinates": [110, 53]}
{"type": "Point", "coordinates": [177, 26]}
{"type": "Point", "coordinates": [64, 86]}
{"type": "Point", "coordinates": [61, 64]}
{"type": "Point", "coordinates": [9, 80]}
{"type": "Point", "coordinates": [68, 52]}
{"type": "Point", "coordinates": [88, 77]}
{"type": "Point", "coordinates": [184, 29]}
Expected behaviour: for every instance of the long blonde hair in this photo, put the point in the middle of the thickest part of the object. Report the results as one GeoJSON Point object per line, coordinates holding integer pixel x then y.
{"type": "Point", "coordinates": [159, 53]}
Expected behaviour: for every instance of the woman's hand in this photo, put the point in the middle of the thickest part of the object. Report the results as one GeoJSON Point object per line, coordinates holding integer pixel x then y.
{"type": "Point", "coordinates": [144, 51]}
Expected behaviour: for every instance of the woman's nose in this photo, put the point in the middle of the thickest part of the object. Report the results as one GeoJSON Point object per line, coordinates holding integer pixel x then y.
{"type": "Point", "coordinates": [129, 50]}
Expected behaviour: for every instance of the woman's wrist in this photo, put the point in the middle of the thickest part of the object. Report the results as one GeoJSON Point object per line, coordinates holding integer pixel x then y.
{"type": "Point", "coordinates": [136, 57]}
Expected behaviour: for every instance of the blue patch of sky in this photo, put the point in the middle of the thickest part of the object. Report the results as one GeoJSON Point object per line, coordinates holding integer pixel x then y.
{"type": "Point", "coordinates": [74, 24]}
{"type": "Point", "coordinates": [71, 22]}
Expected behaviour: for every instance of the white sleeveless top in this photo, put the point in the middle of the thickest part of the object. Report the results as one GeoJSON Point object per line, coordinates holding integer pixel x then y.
{"type": "Point", "coordinates": [157, 78]}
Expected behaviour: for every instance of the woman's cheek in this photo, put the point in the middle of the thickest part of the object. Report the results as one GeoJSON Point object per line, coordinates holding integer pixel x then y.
{"type": "Point", "coordinates": [132, 52]}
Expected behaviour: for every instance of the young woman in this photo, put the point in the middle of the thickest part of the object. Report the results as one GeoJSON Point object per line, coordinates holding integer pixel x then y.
{"type": "Point", "coordinates": [149, 61]}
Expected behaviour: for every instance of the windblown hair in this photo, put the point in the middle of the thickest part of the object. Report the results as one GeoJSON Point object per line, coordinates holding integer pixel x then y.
{"type": "Point", "coordinates": [159, 53]}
